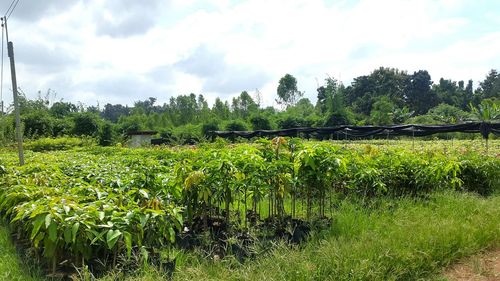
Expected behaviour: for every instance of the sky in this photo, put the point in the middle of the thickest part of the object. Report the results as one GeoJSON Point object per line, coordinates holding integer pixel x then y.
{"type": "Point", "coordinates": [120, 51]}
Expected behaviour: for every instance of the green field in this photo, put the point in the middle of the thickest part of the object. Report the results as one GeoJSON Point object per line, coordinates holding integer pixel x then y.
{"type": "Point", "coordinates": [380, 210]}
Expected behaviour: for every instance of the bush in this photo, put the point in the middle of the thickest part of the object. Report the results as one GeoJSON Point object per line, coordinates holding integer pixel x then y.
{"type": "Point", "coordinates": [260, 123]}
{"type": "Point", "coordinates": [187, 134]}
{"type": "Point", "coordinates": [106, 135]}
{"type": "Point", "coordinates": [236, 125]}
{"type": "Point", "coordinates": [64, 143]}
{"type": "Point", "coordinates": [62, 127]}
{"type": "Point", "coordinates": [37, 124]}
{"type": "Point", "coordinates": [86, 124]}
{"type": "Point", "coordinates": [208, 127]}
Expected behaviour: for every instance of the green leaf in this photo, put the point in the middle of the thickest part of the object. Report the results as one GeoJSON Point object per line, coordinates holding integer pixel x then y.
{"type": "Point", "coordinates": [97, 235]}
{"type": "Point", "coordinates": [74, 231]}
{"type": "Point", "coordinates": [53, 232]}
{"type": "Point", "coordinates": [67, 235]}
{"type": "Point", "coordinates": [172, 234]}
{"type": "Point", "coordinates": [49, 247]}
{"type": "Point", "coordinates": [144, 193]}
{"type": "Point", "coordinates": [112, 237]}
{"type": "Point", "coordinates": [127, 237]}
{"type": "Point", "coordinates": [48, 219]}
{"type": "Point", "coordinates": [38, 238]}
{"type": "Point", "coordinates": [101, 215]}
{"type": "Point", "coordinates": [37, 223]}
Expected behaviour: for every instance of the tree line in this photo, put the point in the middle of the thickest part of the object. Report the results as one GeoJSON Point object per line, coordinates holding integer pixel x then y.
{"type": "Point", "coordinates": [385, 96]}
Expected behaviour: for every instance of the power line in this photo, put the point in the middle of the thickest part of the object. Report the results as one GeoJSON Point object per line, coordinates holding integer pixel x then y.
{"type": "Point", "coordinates": [13, 8]}
{"type": "Point", "coordinates": [10, 7]}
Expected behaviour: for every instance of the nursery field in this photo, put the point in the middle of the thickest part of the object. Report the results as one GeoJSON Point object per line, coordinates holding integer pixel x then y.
{"type": "Point", "coordinates": [287, 209]}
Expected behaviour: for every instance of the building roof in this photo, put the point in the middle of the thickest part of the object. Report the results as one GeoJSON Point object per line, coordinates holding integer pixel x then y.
{"type": "Point", "coordinates": [142, 133]}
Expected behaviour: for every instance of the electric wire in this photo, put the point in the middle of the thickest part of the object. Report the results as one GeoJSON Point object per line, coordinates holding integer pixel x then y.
{"type": "Point", "coordinates": [13, 8]}
{"type": "Point", "coordinates": [8, 10]}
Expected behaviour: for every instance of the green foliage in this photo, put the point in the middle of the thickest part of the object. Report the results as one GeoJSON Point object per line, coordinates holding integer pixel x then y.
{"type": "Point", "coordinates": [260, 122]}
{"type": "Point", "coordinates": [106, 134]}
{"type": "Point", "coordinates": [209, 127]}
{"type": "Point", "coordinates": [382, 111]}
{"type": "Point", "coordinates": [62, 109]}
{"type": "Point", "coordinates": [107, 201]}
{"type": "Point", "coordinates": [287, 91]}
{"type": "Point", "coordinates": [486, 111]}
{"type": "Point", "coordinates": [37, 124]}
{"type": "Point", "coordinates": [188, 132]}
{"type": "Point", "coordinates": [236, 125]}
{"type": "Point", "coordinates": [61, 143]}
{"type": "Point", "coordinates": [389, 239]}
{"type": "Point", "coordinates": [86, 124]}
{"type": "Point", "coordinates": [449, 114]}
{"type": "Point", "coordinates": [7, 132]}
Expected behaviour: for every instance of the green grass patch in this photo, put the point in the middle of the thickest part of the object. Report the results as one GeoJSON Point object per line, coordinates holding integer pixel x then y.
{"type": "Point", "coordinates": [396, 240]}
{"type": "Point", "coordinates": [11, 266]}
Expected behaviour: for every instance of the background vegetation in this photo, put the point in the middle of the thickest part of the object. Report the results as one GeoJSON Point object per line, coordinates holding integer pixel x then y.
{"type": "Point", "coordinates": [385, 96]}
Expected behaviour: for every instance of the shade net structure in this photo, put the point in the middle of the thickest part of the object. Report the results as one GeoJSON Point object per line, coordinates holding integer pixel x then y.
{"type": "Point", "coordinates": [484, 128]}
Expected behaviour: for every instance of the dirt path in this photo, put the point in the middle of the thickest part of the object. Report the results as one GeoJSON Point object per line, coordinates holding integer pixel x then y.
{"type": "Point", "coordinates": [482, 267]}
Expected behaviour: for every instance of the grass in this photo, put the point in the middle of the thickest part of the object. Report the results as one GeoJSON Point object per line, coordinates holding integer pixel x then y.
{"type": "Point", "coordinates": [389, 239]}
{"type": "Point", "coordinates": [11, 266]}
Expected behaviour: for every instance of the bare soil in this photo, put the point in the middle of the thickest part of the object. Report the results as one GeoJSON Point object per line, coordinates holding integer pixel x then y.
{"type": "Point", "coordinates": [481, 267]}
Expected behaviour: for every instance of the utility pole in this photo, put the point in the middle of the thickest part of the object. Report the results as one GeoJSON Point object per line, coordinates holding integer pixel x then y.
{"type": "Point", "coordinates": [19, 135]}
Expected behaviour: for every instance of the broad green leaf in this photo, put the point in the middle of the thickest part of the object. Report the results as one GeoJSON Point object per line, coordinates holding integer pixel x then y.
{"type": "Point", "coordinates": [74, 231]}
{"type": "Point", "coordinates": [67, 235]}
{"type": "Point", "coordinates": [112, 237]}
{"type": "Point", "coordinates": [171, 234]}
{"type": "Point", "coordinates": [37, 224]}
{"type": "Point", "coordinates": [53, 231]}
{"type": "Point", "coordinates": [48, 219]}
{"type": "Point", "coordinates": [38, 238]}
{"type": "Point", "coordinates": [127, 237]}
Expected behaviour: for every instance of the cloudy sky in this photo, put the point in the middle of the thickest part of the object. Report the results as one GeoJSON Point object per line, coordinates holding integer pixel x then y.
{"type": "Point", "coordinates": [121, 51]}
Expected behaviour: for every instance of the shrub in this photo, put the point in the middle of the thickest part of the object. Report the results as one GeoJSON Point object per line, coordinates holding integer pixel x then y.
{"type": "Point", "coordinates": [63, 143]}
{"type": "Point", "coordinates": [236, 125]}
{"type": "Point", "coordinates": [86, 124]}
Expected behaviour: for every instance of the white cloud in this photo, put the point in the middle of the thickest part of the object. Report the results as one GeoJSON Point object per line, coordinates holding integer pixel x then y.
{"type": "Point", "coordinates": [96, 49]}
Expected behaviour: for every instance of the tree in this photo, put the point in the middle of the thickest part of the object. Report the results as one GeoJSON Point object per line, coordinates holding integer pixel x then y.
{"type": "Point", "coordinates": [113, 112]}
{"type": "Point", "coordinates": [401, 115]}
{"type": "Point", "coordinates": [287, 91]}
{"type": "Point", "coordinates": [382, 111]}
{"type": "Point", "coordinates": [260, 123]}
{"type": "Point", "coordinates": [86, 123]}
{"type": "Point", "coordinates": [243, 105]}
{"type": "Point", "coordinates": [448, 114]}
{"type": "Point", "coordinates": [236, 125]}
{"type": "Point", "coordinates": [209, 127]}
{"type": "Point", "coordinates": [220, 109]}
{"type": "Point", "coordinates": [487, 111]}
{"type": "Point", "coordinates": [325, 94]}
{"type": "Point", "coordinates": [366, 90]}
{"type": "Point", "coordinates": [490, 87]}
{"type": "Point", "coordinates": [106, 134]}
{"type": "Point", "coordinates": [420, 97]}
{"type": "Point", "coordinates": [62, 109]}
{"type": "Point", "coordinates": [37, 124]}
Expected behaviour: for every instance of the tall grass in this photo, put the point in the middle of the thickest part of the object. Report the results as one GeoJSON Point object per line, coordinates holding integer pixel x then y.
{"type": "Point", "coordinates": [12, 267]}
{"type": "Point", "coordinates": [391, 240]}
